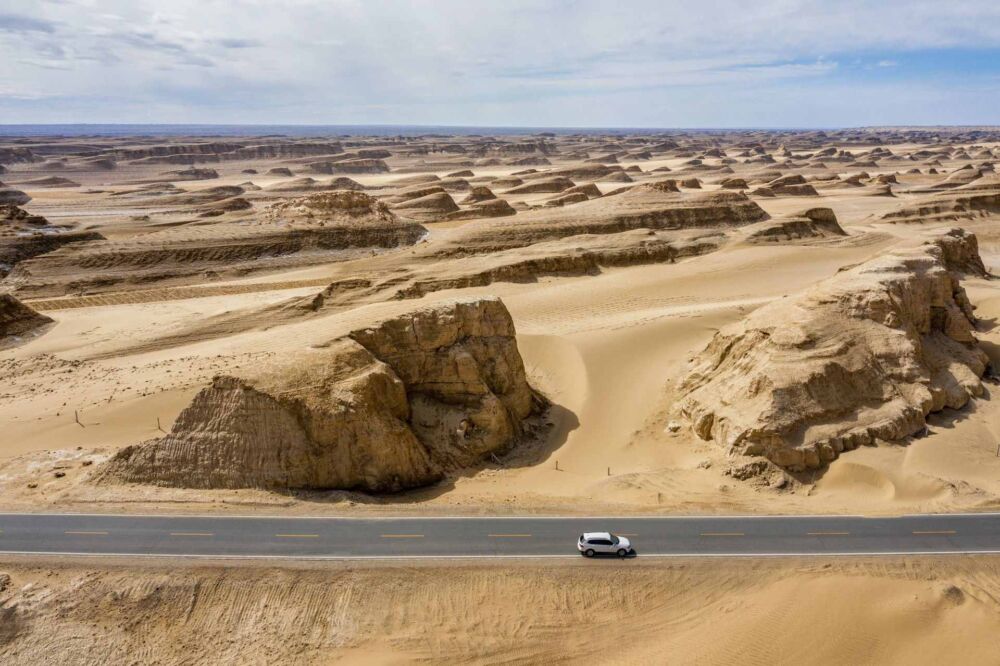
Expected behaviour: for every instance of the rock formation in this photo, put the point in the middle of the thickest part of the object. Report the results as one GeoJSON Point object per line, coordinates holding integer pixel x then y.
{"type": "Point", "coordinates": [654, 205]}
{"type": "Point", "coordinates": [864, 355]}
{"type": "Point", "coordinates": [980, 198]}
{"type": "Point", "coordinates": [479, 193]}
{"type": "Point", "coordinates": [428, 207]}
{"type": "Point", "coordinates": [385, 408]}
{"type": "Point", "coordinates": [812, 223]}
{"type": "Point", "coordinates": [23, 236]}
{"type": "Point", "coordinates": [17, 319]}
{"type": "Point", "coordinates": [487, 208]}
{"type": "Point", "coordinates": [318, 228]}
{"type": "Point", "coordinates": [12, 196]}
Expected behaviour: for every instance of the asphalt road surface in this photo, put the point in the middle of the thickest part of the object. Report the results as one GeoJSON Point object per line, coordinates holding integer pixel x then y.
{"type": "Point", "coordinates": [488, 537]}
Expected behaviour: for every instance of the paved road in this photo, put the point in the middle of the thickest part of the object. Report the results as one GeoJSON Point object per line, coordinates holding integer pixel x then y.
{"type": "Point", "coordinates": [349, 538]}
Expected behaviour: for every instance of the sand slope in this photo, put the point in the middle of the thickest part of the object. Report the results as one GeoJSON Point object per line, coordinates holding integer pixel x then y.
{"type": "Point", "coordinates": [923, 611]}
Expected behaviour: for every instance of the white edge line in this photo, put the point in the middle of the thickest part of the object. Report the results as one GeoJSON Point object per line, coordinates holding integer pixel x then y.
{"type": "Point", "coordinates": [497, 557]}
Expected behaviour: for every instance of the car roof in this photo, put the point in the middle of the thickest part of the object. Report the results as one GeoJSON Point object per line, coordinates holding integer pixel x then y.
{"type": "Point", "coordinates": [596, 535]}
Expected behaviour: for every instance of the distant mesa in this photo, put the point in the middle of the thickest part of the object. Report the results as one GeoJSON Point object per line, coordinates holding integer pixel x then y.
{"type": "Point", "coordinates": [733, 184]}
{"type": "Point", "coordinates": [428, 207]}
{"type": "Point", "coordinates": [566, 199]}
{"type": "Point", "coordinates": [977, 199]}
{"type": "Point", "coordinates": [589, 189]}
{"type": "Point", "coordinates": [194, 174]}
{"type": "Point", "coordinates": [344, 205]}
{"type": "Point", "coordinates": [454, 184]}
{"type": "Point", "coordinates": [477, 194]}
{"type": "Point", "coordinates": [652, 206]}
{"type": "Point", "coordinates": [49, 182]}
{"type": "Point", "coordinates": [317, 228]}
{"type": "Point", "coordinates": [422, 179]}
{"type": "Point", "coordinates": [414, 192]}
{"type": "Point", "coordinates": [360, 166]}
{"type": "Point", "coordinates": [231, 205]}
{"type": "Point", "coordinates": [11, 196]}
{"type": "Point", "coordinates": [482, 209]}
{"type": "Point", "coordinates": [809, 224]}
{"type": "Point", "coordinates": [308, 184]}
{"type": "Point", "coordinates": [546, 185]}
{"type": "Point", "coordinates": [217, 151]}
{"type": "Point", "coordinates": [23, 236]}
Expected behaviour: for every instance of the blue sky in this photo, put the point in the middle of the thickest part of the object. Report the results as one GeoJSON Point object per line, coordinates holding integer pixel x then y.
{"type": "Point", "coordinates": [642, 63]}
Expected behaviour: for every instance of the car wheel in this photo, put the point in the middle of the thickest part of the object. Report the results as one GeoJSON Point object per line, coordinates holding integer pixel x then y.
{"type": "Point", "coordinates": [622, 552]}
{"type": "Point", "coordinates": [589, 552]}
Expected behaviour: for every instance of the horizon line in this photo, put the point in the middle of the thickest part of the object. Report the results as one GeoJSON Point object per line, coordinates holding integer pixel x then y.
{"type": "Point", "coordinates": [473, 126]}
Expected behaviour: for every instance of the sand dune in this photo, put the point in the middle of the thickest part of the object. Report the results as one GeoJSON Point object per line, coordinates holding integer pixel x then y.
{"type": "Point", "coordinates": [615, 280]}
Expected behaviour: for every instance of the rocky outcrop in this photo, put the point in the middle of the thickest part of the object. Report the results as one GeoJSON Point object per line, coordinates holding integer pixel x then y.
{"type": "Point", "coordinates": [864, 355]}
{"type": "Point", "coordinates": [193, 174]}
{"type": "Point", "coordinates": [481, 209]}
{"type": "Point", "coordinates": [479, 193]}
{"type": "Point", "coordinates": [185, 153]}
{"type": "Point", "coordinates": [23, 236]}
{"type": "Point", "coordinates": [360, 166]}
{"type": "Point", "coordinates": [386, 408]}
{"type": "Point", "coordinates": [981, 198]}
{"type": "Point", "coordinates": [545, 185]}
{"type": "Point", "coordinates": [577, 255]}
{"type": "Point", "coordinates": [809, 224]}
{"type": "Point", "coordinates": [12, 196]}
{"type": "Point", "coordinates": [428, 207]}
{"type": "Point", "coordinates": [18, 320]}
{"type": "Point", "coordinates": [318, 228]}
{"type": "Point", "coordinates": [656, 206]}
{"type": "Point", "coordinates": [48, 182]}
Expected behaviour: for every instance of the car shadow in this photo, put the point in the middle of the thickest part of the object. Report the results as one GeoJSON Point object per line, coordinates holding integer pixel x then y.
{"type": "Point", "coordinates": [611, 556]}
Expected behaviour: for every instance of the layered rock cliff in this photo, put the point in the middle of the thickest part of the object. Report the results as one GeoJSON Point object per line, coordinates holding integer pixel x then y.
{"type": "Point", "coordinates": [386, 408]}
{"type": "Point", "coordinates": [865, 354]}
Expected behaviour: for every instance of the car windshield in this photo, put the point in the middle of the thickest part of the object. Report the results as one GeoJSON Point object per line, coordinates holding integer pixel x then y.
{"type": "Point", "coordinates": [614, 539]}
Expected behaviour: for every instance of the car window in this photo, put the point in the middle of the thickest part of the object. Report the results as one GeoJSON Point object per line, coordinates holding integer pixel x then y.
{"type": "Point", "coordinates": [615, 540]}
{"type": "Point", "coordinates": [601, 542]}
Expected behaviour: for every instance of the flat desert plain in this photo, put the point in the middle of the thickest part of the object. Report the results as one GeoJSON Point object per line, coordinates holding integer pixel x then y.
{"type": "Point", "coordinates": [732, 322]}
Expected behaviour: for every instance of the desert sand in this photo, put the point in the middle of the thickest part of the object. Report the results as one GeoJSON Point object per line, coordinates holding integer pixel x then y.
{"type": "Point", "coordinates": [922, 611]}
{"type": "Point", "coordinates": [798, 322]}
{"type": "Point", "coordinates": [166, 262]}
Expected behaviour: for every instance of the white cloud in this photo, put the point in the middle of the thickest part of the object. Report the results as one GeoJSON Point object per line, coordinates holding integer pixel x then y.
{"type": "Point", "coordinates": [444, 61]}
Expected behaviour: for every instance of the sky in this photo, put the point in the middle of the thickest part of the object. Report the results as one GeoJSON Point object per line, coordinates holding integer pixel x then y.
{"type": "Point", "coordinates": [556, 63]}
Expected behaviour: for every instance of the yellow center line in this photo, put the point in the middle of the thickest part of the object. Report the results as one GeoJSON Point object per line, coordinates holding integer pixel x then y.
{"type": "Point", "coordinates": [402, 536]}
{"type": "Point", "coordinates": [297, 536]}
{"type": "Point", "coordinates": [935, 532]}
{"type": "Point", "coordinates": [827, 533]}
{"type": "Point", "coordinates": [83, 532]}
{"type": "Point", "coordinates": [187, 534]}
{"type": "Point", "coordinates": [510, 536]}
{"type": "Point", "coordinates": [721, 534]}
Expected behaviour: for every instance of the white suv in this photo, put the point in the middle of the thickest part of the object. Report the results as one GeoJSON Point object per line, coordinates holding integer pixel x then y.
{"type": "Point", "coordinates": [592, 543]}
